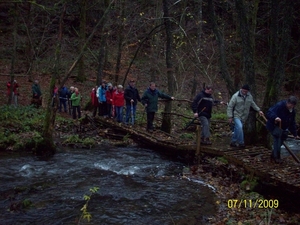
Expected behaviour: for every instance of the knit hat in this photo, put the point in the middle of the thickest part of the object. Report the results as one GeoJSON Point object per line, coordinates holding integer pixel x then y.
{"type": "Point", "coordinates": [246, 87]}
{"type": "Point", "coordinates": [109, 85]}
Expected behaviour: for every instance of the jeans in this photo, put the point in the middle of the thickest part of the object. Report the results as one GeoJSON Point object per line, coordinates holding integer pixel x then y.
{"type": "Point", "coordinates": [119, 113]}
{"type": "Point", "coordinates": [15, 99]}
{"type": "Point", "coordinates": [62, 102]}
{"type": "Point", "coordinates": [238, 133]}
{"type": "Point", "coordinates": [128, 113]}
{"type": "Point", "coordinates": [277, 143]}
{"type": "Point", "coordinates": [205, 122]}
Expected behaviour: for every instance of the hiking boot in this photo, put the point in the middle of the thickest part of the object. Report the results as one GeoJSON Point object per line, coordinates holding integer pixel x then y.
{"type": "Point", "coordinates": [233, 144]}
{"type": "Point", "coordinates": [241, 146]}
{"type": "Point", "coordinates": [208, 142]}
{"type": "Point", "coordinates": [278, 161]}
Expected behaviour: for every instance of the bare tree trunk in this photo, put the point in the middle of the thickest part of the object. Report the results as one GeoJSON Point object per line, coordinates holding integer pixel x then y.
{"type": "Point", "coordinates": [14, 54]}
{"type": "Point", "coordinates": [47, 147]}
{"type": "Point", "coordinates": [101, 57]}
{"type": "Point", "coordinates": [248, 66]}
{"type": "Point", "coordinates": [220, 39]}
{"type": "Point", "coordinates": [81, 77]}
{"type": "Point", "coordinates": [103, 47]}
{"type": "Point", "coordinates": [120, 41]}
{"type": "Point", "coordinates": [280, 42]}
{"type": "Point", "coordinates": [166, 121]}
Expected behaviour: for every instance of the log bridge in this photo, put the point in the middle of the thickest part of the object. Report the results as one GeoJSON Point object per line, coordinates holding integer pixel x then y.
{"type": "Point", "coordinates": [254, 159]}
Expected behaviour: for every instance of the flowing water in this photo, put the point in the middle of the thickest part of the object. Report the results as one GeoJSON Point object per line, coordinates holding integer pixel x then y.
{"type": "Point", "coordinates": [136, 186]}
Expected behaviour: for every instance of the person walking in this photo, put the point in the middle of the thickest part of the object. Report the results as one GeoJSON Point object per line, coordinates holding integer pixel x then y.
{"type": "Point", "coordinates": [36, 94]}
{"type": "Point", "coordinates": [109, 100]}
{"type": "Point", "coordinates": [202, 109]}
{"type": "Point", "coordinates": [280, 121]}
{"type": "Point", "coordinates": [76, 99]}
{"type": "Point", "coordinates": [102, 99]}
{"type": "Point", "coordinates": [150, 101]}
{"type": "Point", "coordinates": [118, 102]}
{"type": "Point", "coordinates": [131, 96]}
{"type": "Point", "coordinates": [238, 111]}
{"type": "Point", "coordinates": [63, 98]}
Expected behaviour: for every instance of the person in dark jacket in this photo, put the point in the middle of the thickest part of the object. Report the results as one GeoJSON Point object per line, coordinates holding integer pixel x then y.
{"type": "Point", "coordinates": [36, 94]}
{"type": "Point", "coordinates": [131, 96]}
{"type": "Point", "coordinates": [63, 97]}
{"type": "Point", "coordinates": [281, 115]}
{"type": "Point", "coordinates": [150, 101]}
{"type": "Point", "coordinates": [202, 108]}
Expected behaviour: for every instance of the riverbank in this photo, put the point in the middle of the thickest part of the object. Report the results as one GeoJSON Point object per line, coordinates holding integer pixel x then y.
{"type": "Point", "coordinates": [242, 199]}
{"type": "Point", "coordinates": [238, 198]}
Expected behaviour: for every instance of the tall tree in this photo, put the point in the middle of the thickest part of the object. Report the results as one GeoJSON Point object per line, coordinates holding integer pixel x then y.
{"type": "Point", "coordinates": [14, 52]}
{"type": "Point", "coordinates": [120, 28]}
{"type": "Point", "coordinates": [247, 38]}
{"type": "Point", "coordinates": [82, 29]}
{"type": "Point", "coordinates": [220, 40]}
{"type": "Point", "coordinates": [47, 146]}
{"type": "Point", "coordinates": [166, 122]}
{"type": "Point", "coordinates": [280, 36]}
{"type": "Point", "coordinates": [102, 55]}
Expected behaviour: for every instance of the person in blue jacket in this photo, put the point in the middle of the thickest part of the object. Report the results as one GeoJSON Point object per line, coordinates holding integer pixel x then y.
{"type": "Point", "coordinates": [281, 120]}
{"type": "Point", "coordinates": [63, 97]}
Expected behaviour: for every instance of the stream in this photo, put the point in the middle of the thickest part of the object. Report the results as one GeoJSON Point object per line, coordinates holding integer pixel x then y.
{"type": "Point", "coordinates": [136, 186]}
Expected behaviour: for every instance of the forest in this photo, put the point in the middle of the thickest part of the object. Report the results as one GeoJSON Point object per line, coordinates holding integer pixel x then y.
{"type": "Point", "coordinates": [178, 44]}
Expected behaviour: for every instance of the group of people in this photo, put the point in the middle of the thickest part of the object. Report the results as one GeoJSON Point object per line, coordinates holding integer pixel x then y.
{"type": "Point", "coordinates": [109, 101]}
{"type": "Point", "coordinates": [69, 99]}
{"type": "Point", "coordinates": [280, 116]}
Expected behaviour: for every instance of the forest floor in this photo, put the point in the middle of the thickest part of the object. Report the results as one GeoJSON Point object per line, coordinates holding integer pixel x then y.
{"type": "Point", "coordinates": [212, 170]}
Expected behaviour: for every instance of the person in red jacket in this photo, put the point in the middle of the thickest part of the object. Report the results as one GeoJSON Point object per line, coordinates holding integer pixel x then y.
{"type": "Point", "coordinates": [95, 103]}
{"type": "Point", "coordinates": [15, 93]}
{"type": "Point", "coordinates": [118, 102]}
{"type": "Point", "coordinates": [109, 99]}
